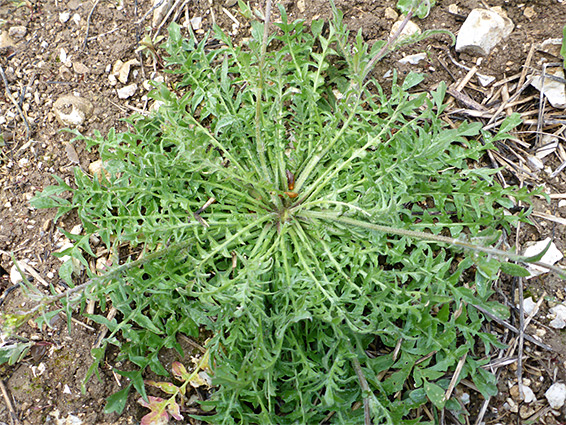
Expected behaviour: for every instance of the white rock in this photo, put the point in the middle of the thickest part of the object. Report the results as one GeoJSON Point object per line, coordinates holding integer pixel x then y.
{"type": "Point", "coordinates": [72, 110]}
{"type": "Point", "coordinates": [410, 29]}
{"type": "Point", "coordinates": [482, 31]}
{"type": "Point", "coordinates": [15, 275]}
{"type": "Point", "coordinates": [63, 55]}
{"type": "Point", "coordinates": [64, 17]}
{"type": "Point", "coordinates": [124, 71]}
{"type": "Point", "coordinates": [17, 32]}
{"type": "Point", "coordinates": [5, 40]}
{"type": "Point", "coordinates": [156, 105]}
{"type": "Point", "coordinates": [555, 91]}
{"type": "Point", "coordinates": [76, 230]}
{"type": "Point", "coordinates": [127, 91]}
{"type": "Point", "coordinates": [80, 68]}
{"type": "Point", "coordinates": [112, 80]}
{"type": "Point", "coordinates": [528, 394]}
{"type": "Point", "coordinates": [562, 203]}
{"type": "Point", "coordinates": [117, 66]}
{"type": "Point", "coordinates": [551, 257]}
{"type": "Point", "coordinates": [559, 312]}
{"type": "Point", "coordinates": [77, 19]}
{"type": "Point", "coordinates": [556, 395]}
{"type": "Point", "coordinates": [551, 46]}
{"type": "Point", "coordinates": [70, 420]}
{"type": "Point", "coordinates": [529, 12]}
{"type": "Point", "coordinates": [196, 23]}
{"type": "Point", "coordinates": [160, 12]}
{"type": "Point", "coordinates": [391, 14]}
{"type": "Point", "coordinates": [413, 59]}
{"type": "Point", "coordinates": [529, 305]}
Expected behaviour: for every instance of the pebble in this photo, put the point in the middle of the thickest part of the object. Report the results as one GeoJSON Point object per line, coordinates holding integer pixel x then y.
{"type": "Point", "coordinates": [482, 30]}
{"type": "Point", "coordinates": [17, 32]}
{"type": "Point", "coordinates": [559, 312]}
{"type": "Point", "coordinates": [95, 169]}
{"type": "Point", "coordinates": [555, 91]}
{"type": "Point", "coordinates": [529, 305]}
{"type": "Point", "coordinates": [72, 110]}
{"type": "Point", "coordinates": [15, 275]}
{"type": "Point", "coordinates": [127, 91]}
{"type": "Point", "coordinates": [413, 59]}
{"type": "Point", "coordinates": [410, 29]}
{"type": "Point", "coordinates": [124, 71]}
{"type": "Point", "coordinates": [80, 68]}
{"type": "Point", "coordinates": [390, 14]}
{"type": "Point", "coordinates": [551, 46]}
{"type": "Point", "coordinates": [5, 40]}
{"type": "Point", "coordinates": [64, 17]}
{"type": "Point", "coordinates": [556, 395]}
{"type": "Point", "coordinates": [529, 395]}
{"type": "Point", "coordinates": [550, 257]}
{"type": "Point", "coordinates": [160, 12]}
{"type": "Point", "coordinates": [196, 23]}
{"type": "Point", "coordinates": [529, 12]}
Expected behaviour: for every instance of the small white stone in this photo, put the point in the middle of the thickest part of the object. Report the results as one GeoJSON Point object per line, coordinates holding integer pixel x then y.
{"type": "Point", "coordinates": [112, 80]}
{"type": "Point", "coordinates": [390, 14]}
{"type": "Point", "coordinates": [562, 203]}
{"type": "Point", "coordinates": [70, 420]}
{"type": "Point", "coordinates": [66, 389]}
{"type": "Point", "coordinates": [555, 91]}
{"type": "Point", "coordinates": [529, 12]}
{"type": "Point", "coordinates": [63, 55]}
{"type": "Point", "coordinates": [128, 91]}
{"type": "Point", "coordinates": [556, 395]}
{"type": "Point", "coordinates": [413, 59]}
{"type": "Point", "coordinates": [15, 276]}
{"type": "Point", "coordinates": [72, 110]}
{"type": "Point", "coordinates": [76, 230]}
{"type": "Point", "coordinates": [64, 17]}
{"type": "Point", "coordinates": [161, 9]}
{"type": "Point", "coordinates": [529, 305]}
{"type": "Point", "coordinates": [77, 19]}
{"type": "Point", "coordinates": [482, 30]}
{"type": "Point", "coordinates": [551, 257]}
{"type": "Point", "coordinates": [529, 395]}
{"type": "Point", "coordinates": [17, 32]}
{"type": "Point", "coordinates": [410, 29]}
{"type": "Point", "coordinates": [559, 312]}
{"type": "Point", "coordinates": [124, 72]}
{"type": "Point", "coordinates": [453, 8]}
{"type": "Point", "coordinates": [196, 23]}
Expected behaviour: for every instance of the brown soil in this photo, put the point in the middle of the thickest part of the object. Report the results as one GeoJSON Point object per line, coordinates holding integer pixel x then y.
{"type": "Point", "coordinates": [45, 386]}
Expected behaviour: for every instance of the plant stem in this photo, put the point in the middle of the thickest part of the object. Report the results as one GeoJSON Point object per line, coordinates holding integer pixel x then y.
{"type": "Point", "coordinates": [429, 237]}
{"type": "Point", "coordinates": [260, 146]}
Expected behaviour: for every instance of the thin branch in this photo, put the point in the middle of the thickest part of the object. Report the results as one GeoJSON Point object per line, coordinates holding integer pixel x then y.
{"type": "Point", "coordinates": [88, 25]}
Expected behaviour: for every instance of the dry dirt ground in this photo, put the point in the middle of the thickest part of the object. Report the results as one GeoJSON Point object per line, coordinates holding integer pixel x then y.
{"type": "Point", "coordinates": [66, 47]}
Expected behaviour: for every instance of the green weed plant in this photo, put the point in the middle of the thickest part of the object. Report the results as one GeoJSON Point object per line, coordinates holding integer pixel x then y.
{"type": "Point", "coordinates": [334, 239]}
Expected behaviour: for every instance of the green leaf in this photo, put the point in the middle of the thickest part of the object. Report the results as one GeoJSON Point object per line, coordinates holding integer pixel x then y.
{"type": "Point", "coordinates": [513, 269]}
{"type": "Point", "coordinates": [537, 257]}
{"type": "Point", "coordinates": [435, 394]}
{"type": "Point", "coordinates": [412, 79]}
{"type": "Point", "coordinates": [117, 401]}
